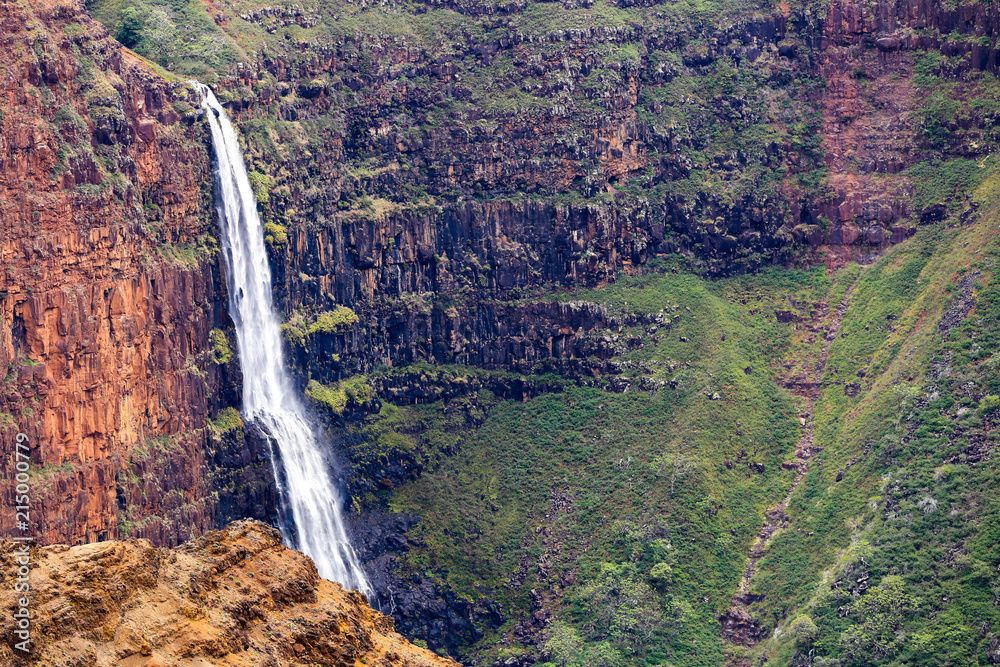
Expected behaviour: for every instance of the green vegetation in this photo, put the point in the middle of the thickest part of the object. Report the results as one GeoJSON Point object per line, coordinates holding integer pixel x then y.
{"type": "Point", "coordinates": [299, 327]}
{"type": "Point", "coordinates": [221, 352]}
{"type": "Point", "coordinates": [353, 393]}
{"type": "Point", "coordinates": [893, 556]}
{"type": "Point", "coordinates": [334, 320]}
{"type": "Point", "coordinates": [634, 511]}
{"type": "Point", "coordinates": [943, 182]}
{"type": "Point", "coordinates": [988, 405]}
{"type": "Point", "coordinates": [189, 255]}
{"type": "Point", "coordinates": [644, 498]}
{"type": "Point", "coordinates": [261, 184]}
{"type": "Point", "coordinates": [180, 35]}
{"type": "Point", "coordinates": [227, 421]}
{"type": "Point", "coordinates": [275, 234]}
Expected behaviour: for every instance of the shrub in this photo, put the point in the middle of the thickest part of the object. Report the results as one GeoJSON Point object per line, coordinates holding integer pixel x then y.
{"type": "Point", "coordinates": [660, 576]}
{"type": "Point", "coordinates": [261, 184]}
{"type": "Point", "coordinates": [295, 329]}
{"type": "Point", "coordinates": [221, 352]}
{"type": "Point", "coordinates": [277, 235]}
{"type": "Point", "coordinates": [298, 329]}
{"type": "Point", "coordinates": [880, 614]}
{"type": "Point", "coordinates": [989, 404]}
{"type": "Point", "coordinates": [131, 27]}
{"type": "Point", "coordinates": [226, 421]}
{"type": "Point", "coordinates": [67, 118]}
{"type": "Point", "coordinates": [804, 629]}
{"type": "Point", "coordinates": [564, 644]}
{"type": "Point", "coordinates": [331, 321]}
{"type": "Point", "coordinates": [355, 392]}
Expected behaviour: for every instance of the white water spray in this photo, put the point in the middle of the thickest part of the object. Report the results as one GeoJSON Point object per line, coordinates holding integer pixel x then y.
{"type": "Point", "coordinates": [269, 399]}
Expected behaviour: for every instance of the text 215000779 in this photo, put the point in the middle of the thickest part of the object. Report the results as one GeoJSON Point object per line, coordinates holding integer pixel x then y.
{"type": "Point", "coordinates": [22, 552]}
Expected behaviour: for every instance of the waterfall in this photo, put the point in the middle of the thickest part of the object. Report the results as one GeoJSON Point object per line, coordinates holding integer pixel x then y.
{"type": "Point", "coordinates": [269, 398]}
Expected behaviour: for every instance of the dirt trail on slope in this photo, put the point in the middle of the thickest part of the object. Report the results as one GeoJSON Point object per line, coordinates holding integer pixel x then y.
{"type": "Point", "coordinates": [738, 626]}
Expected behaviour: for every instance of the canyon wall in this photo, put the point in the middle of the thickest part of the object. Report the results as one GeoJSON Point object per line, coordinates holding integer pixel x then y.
{"type": "Point", "coordinates": [447, 184]}
{"type": "Point", "coordinates": [444, 188]}
{"type": "Point", "coordinates": [110, 288]}
{"type": "Point", "coordinates": [426, 227]}
{"type": "Point", "coordinates": [522, 149]}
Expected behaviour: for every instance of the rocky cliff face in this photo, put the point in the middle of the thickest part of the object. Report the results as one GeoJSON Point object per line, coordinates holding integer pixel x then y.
{"type": "Point", "coordinates": [232, 597]}
{"type": "Point", "coordinates": [110, 287]}
{"type": "Point", "coordinates": [447, 172]}
{"type": "Point", "coordinates": [425, 189]}
{"type": "Point", "coordinates": [875, 108]}
{"type": "Point", "coordinates": [427, 184]}
{"type": "Point", "coordinates": [444, 170]}
{"type": "Point", "coordinates": [522, 147]}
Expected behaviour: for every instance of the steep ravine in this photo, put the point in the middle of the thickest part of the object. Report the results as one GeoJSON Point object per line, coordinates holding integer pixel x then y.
{"type": "Point", "coordinates": [485, 223]}
{"type": "Point", "coordinates": [738, 626]}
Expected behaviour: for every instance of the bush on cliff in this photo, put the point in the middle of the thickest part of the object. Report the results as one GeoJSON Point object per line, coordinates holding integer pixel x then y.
{"type": "Point", "coordinates": [298, 328]}
{"type": "Point", "coordinates": [221, 352]}
{"type": "Point", "coordinates": [261, 184]}
{"type": "Point", "coordinates": [276, 235]}
{"type": "Point", "coordinates": [335, 320]}
{"type": "Point", "coordinates": [356, 392]}
{"type": "Point", "coordinates": [227, 421]}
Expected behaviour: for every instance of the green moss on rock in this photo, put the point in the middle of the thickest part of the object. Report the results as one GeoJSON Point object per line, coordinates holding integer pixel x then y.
{"type": "Point", "coordinates": [261, 184]}
{"type": "Point", "coordinates": [299, 328]}
{"type": "Point", "coordinates": [276, 235]}
{"type": "Point", "coordinates": [334, 320]}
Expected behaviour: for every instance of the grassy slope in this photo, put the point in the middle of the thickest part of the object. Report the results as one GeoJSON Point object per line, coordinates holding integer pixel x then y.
{"type": "Point", "coordinates": [601, 487]}
{"type": "Point", "coordinates": [581, 481]}
{"type": "Point", "coordinates": [885, 575]}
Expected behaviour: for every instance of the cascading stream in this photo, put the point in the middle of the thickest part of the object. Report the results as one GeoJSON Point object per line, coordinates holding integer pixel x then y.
{"type": "Point", "coordinates": [269, 398]}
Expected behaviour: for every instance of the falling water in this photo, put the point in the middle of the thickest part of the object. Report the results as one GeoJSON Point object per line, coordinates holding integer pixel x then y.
{"type": "Point", "coordinates": [269, 398]}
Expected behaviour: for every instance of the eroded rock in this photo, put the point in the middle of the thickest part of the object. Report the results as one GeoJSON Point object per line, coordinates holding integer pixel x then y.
{"type": "Point", "coordinates": [232, 597]}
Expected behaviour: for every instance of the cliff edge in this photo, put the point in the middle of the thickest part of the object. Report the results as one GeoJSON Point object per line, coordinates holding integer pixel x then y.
{"type": "Point", "coordinates": [232, 597]}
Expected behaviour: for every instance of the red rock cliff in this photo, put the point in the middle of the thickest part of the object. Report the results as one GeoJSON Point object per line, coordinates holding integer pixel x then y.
{"type": "Point", "coordinates": [108, 282]}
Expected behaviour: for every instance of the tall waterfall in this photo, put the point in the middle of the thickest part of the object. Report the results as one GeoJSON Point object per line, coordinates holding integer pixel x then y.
{"type": "Point", "coordinates": [269, 398]}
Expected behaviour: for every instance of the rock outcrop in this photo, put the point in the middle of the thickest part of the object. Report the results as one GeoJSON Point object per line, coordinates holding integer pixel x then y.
{"type": "Point", "coordinates": [232, 597]}
{"type": "Point", "coordinates": [415, 187]}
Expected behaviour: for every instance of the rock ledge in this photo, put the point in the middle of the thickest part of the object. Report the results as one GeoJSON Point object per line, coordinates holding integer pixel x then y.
{"type": "Point", "coordinates": [233, 597]}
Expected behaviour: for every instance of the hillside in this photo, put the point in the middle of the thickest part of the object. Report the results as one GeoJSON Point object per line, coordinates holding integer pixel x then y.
{"type": "Point", "coordinates": [643, 333]}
